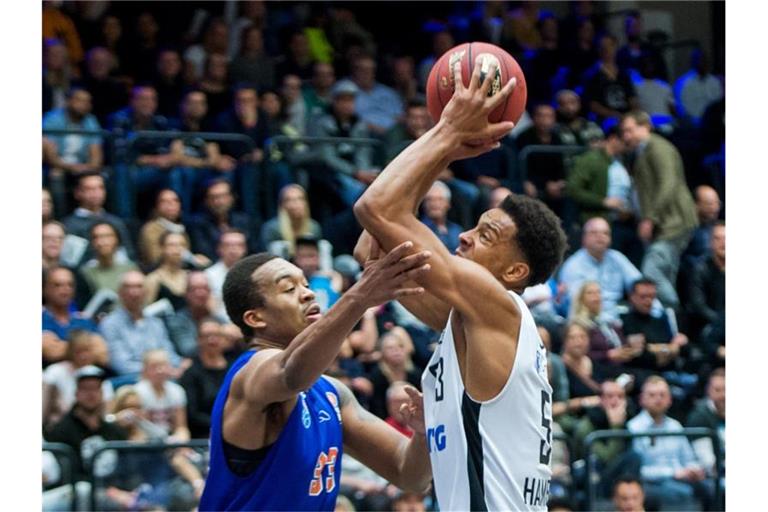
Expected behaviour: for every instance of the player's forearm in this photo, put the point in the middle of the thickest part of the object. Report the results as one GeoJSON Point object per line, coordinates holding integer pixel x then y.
{"type": "Point", "coordinates": [414, 468]}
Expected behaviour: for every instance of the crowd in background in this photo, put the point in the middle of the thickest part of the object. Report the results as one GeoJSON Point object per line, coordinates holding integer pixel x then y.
{"type": "Point", "coordinates": [177, 139]}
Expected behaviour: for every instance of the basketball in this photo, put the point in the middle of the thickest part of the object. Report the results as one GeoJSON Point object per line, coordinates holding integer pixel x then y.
{"type": "Point", "coordinates": [440, 81]}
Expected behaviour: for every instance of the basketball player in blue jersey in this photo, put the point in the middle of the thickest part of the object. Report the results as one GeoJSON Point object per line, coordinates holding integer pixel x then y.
{"type": "Point", "coordinates": [278, 427]}
{"type": "Point", "coordinates": [487, 399]}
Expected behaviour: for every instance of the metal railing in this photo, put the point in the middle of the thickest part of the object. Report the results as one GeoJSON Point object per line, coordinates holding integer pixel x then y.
{"type": "Point", "coordinates": [600, 435]}
{"type": "Point", "coordinates": [66, 458]}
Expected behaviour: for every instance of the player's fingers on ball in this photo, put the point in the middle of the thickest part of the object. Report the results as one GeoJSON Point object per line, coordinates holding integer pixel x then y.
{"type": "Point", "coordinates": [409, 292]}
{"type": "Point", "coordinates": [398, 252]}
{"type": "Point", "coordinates": [490, 77]}
{"type": "Point", "coordinates": [495, 100]}
{"type": "Point", "coordinates": [474, 80]}
{"type": "Point", "coordinates": [457, 80]}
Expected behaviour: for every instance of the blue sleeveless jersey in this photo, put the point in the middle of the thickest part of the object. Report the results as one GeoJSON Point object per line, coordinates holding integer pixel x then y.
{"type": "Point", "coordinates": [301, 469]}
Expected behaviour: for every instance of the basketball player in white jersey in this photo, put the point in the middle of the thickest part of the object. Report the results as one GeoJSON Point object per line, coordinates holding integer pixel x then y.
{"type": "Point", "coordinates": [487, 400]}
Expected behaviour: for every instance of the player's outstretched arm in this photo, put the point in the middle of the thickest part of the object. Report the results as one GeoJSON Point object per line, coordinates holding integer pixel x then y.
{"type": "Point", "coordinates": [278, 375]}
{"type": "Point", "coordinates": [402, 461]}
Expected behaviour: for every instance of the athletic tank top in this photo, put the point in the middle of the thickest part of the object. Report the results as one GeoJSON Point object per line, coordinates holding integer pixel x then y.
{"type": "Point", "coordinates": [491, 455]}
{"type": "Point", "coordinates": [301, 469]}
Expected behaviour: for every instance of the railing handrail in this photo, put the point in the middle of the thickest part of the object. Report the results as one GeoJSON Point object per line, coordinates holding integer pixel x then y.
{"type": "Point", "coordinates": [66, 131]}
{"type": "Point", "coordinates": [132, 137]}
{"type": "Point", "coordinates": [67, 454]}
{"type": "Point", "coordinates": [284, 139]}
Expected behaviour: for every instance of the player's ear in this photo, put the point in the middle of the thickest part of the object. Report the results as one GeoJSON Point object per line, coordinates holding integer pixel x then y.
{"type": "Point", "coordinates": [254, 319]}
{"type": "Point", "coordinates": [515, 273]}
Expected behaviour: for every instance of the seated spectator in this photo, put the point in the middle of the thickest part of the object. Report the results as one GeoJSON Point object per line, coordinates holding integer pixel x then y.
{"type": "Point", "coordinates": [219, 215]}
{"type": "Point", "coordinates": [166, 218]}
{"type": "Point", "coordinates": [608, 89]}
{"type": "Point", "coordinates": [414, 124]}
{"type": "Point", "coordinates": [697, 89]}
{"type": "Point", "coordinates": [541, 301]}
{"type": "Point", "coordinates": [298, 59]}
{"type": "Point", "coordinates": [164, 402]}
{"type": "Point", "coordinates": [183, 325]}
{"type": "Point", "coordinates": [252, 64]}
{"type": "Point", "coordinates": [708, 206]}
{"type": "Point", "coordinates": [654, 95]}
{"type": "Point", "coordinates": [108, 94]}
{"type": "Point", "coordinates": [91, 195]}
{"type": "Point", "coordinates": [53, 241]}
{"type": "Point", "coordinates": [669, 469]}
{"type": "Point", "coordinates": [409, 502]}
{"type": "Point", "coordinates": [245, 118]}
{"type": "Point", "coordinates": [404, 81]}
{"type": "Point", "coordinates": [59, 319]}
{"type": "Point", "coordinates": [378, 106]}
{"type": "Point", "coordinates": [59, 383]}
{"type": "Point", "coordinates": [295, 107]}
{"type": "Point", "coordinates": [293, 221]}
{"type": "Point", "coordinates": [317, 95]}
{"type": "Point", "coordinates": [57, 74]}
{"type": "Point", "coordinates": [325, 283]}
{"type": "Point", "coordinates": [709, 412]}
{"type": "Point", "coordinates": [571, 127]}
{"type": "Point", "coordinates": [542, 65]}
{"type": "Point", "coordinates": [435, 208]}
{"type": "Point", "coordinates": [395, 365]}
{"type": "Point", "coordinates": [215, 40]}
{"type": "Point", "coordinates": [231, 248]}
{"type": "Point", "coordinates": [214, 84]}
{"type": "Point", "coordinates": [660, 345]}
{"type": "Point", "coordinates": [596, 262]}
{"type": "Point", "coordinates": [628, 495]}
{"type": "Point", "coordinates": [72, 154]}
{"type": "Point", "coordinates": [442, 41]}
{"type": "Point", "coordinates": [48, 212]}
{"type": "Point", "coordinates": [106, 269]}
{"type": "Point", "coordinates": [582, 382]}
{"type": "Point", "coordinates": [546, 172]}
{"type": "Point", "coordinates": [129, 334]}
{"type": "Point", "coordinates": [84, 427]}
{"type": "Point", "coordinates": [202, 380]}
{"type": "Point", "coordinates": [169, 280]}
{"type": "Point", "coordinates": [396, 397]}
{"type": "Point", "coordinates": [348, 168]}
{"type": "Point", "coordinates": [168, 82]}
{"type": "Point", "coordinates": [631, 56]}
{"type": "Point", "coordinates": [613, 457]}
{"type": "Point", "coordinates": [706, 292]}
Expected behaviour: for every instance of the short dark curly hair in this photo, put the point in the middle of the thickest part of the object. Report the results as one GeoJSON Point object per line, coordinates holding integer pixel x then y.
{"type": "Point", "coordinates": [240, 292]}
{"type": "Point", "coordinates": [540, 236]}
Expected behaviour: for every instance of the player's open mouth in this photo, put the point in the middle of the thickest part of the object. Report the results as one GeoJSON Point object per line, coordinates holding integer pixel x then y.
{"type": "Point", "coordinates": [313, 313]}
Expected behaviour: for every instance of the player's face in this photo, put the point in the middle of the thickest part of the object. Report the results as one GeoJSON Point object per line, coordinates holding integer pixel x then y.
{"type": "Point", "coordinates": [290, 305]}
{"type": "Point", "coordinates": [491, 243]}
{"type": "Point", "coordinates": [629, 497]}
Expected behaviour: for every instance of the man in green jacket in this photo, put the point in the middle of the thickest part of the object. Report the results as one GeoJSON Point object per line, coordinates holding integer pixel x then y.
{"type": "Point", "coordinates": [667, 210]}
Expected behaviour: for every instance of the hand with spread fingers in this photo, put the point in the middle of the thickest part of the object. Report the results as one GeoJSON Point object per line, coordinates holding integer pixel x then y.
{"type": "Point", "coordinates": [385, 278]}
{"type": "Point", "coordinates": [413, 411]}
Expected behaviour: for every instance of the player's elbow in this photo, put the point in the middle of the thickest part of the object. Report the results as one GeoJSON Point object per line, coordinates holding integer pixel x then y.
{"type": "Point", "coordinates": [368, 212]}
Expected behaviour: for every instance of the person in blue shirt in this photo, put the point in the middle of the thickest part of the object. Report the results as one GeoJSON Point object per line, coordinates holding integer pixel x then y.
{"type": "Point", "coordinates": [436, 205]}
{"type": "Point", "coordinates": [278, 426]}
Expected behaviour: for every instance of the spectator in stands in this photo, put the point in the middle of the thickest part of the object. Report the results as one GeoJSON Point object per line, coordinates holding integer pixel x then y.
{"type": "Point", "coordinates": [214, 83]}
{"type": "Point", "coordinates": [572, 128]}
{"type": "Point", "coordinates": [522, 25]}
{"type": "Point", "coordinates": [660, 345]}
{"type": "Point", "coordinates": [215, 40]}
{"type": "Point", "coordinates": [107, 93]}
{"type": "Point", "coordinates": [293, 221]}
{"type": "Point", "coordinates": [84, 428]}
{"type": "Point", "coordinates": [111, 37]}
{"type": "Point", "coordinates": [47, 208]}
{"type": "Point", "coordinates": [57, 24]}
{"type": "Point", "coordinates": [666, 207]}
{"type": "Point", "coordinates": [58, 318]}
{"type": "Point", "coordinates": [106, 269]}
{"type": "Point", "coordinates": [166, 217]}
{"type": "Point", "coordinates": [231, 248]}
{"type": "Point", "coordinates": [169, 279]}
{"type": "Point", "coordinates": [397, 396]}
{"type": "Point", "coordinates": [669, 469]}
{"type": "Point", "coordinates": [706, 293]}
{"type": "Point", "coordinates": [251, 14]}
{"type": "Point", "coordinates": [404, 80]}
{"type": "Point", "coordinates": [708, 207]}
{"type": "Point", "coordinates": [415, 123]}
{"type": "Point", "coordinates": [583, 384]}
{"type": "Point", "coordinates": [298, 59]}
{"type": "Point", "coordinates": [544, 63]}
{"type": "Point", "coordinates": [709, 412]}
{"type": "Point", "coordinates": [351, 167]}
{"type": "Point", "coordinates": [252, 64]}
{"type": "Point", "coordinates": [326, 284]}
{"type": "Point", "coordinates": [497, 196]}
{"type": "Point", "coordinates": [57, 74]}
{"type": "Point", "coordinates": [295, 107]}
{"type": "Point", "coordinates": [91, 195]}
{"type": "Point", "coordinates": [378, 106]}
{"type": "Point", "coordinates": [608, 88]}
{"type": "Point", "coordinates": [71, 154]}
{"type": "Point", "coordinates": [139, 60]}
{"type": "Point", "coordinates": [183, 326]}
{"type": "Point", "coordinates": [53, 242]}
{"type": "Point", "coordinates": [613, 457]}
{"type": "Point", "coordinates": [164, 401]}
{"type": "Point", "coordinates": [630, 57]}
{"type": "Point", "coordinates": [654, 95]}
{"type": "Point", "coordinates": [595, 261]}
{"type": "Point", "coordinates": [442, 41]}
{"type": "Point", "coordinates": [202, 380]}
{"type": "Point", "coordinates": [583, 52]}
{"type": "Point", "coordinates": [435, 208]}
{"type": "Point", "coordinates": [628, 495]}
{"type": "Point", "coordinates": [130, 334]}
{"type": "Point", "coordinates": [317, 95]}
{"type": "Point", "coordinates": [59, 379]}
{"type": "Point", "coordinates": [697, 89]}
{"type": "Point", "coordinates": [395, 365]}
{"type": "Point", "coordinates": [168, 82]}
{"type": "Point", "coordinates": [408, 502]}
{"type": "Point", "coordinates": [546, 172]}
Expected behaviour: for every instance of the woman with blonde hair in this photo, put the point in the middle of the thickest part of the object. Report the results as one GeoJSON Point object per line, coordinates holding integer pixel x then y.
{"type": "Point", "coordinates": [169, 280]}
{"type": "Point", "coordinates": [293, 220]}
{"type": "Point", "coordinates": [395, 364]}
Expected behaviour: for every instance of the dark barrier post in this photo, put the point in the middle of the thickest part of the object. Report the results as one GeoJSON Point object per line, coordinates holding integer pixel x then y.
{"type": "Point", "coordinates": [598, 435]}
{"type": "Point", "coordinates": [65, 455]}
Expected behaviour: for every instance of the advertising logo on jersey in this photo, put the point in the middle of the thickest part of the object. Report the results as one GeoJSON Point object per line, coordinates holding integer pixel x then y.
{"type": "Point", "coordinates": [334, 402]}
{"type": "Point", "coordinates": [306, 418]}
{"type": "Point", "coordinates": [436, 438]}
{"type": "Point", "coordinates": [541, 360]}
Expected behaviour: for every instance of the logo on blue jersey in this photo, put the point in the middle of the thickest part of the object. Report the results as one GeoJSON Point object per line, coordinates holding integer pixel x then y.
{"type": "Point", "coordinates": [334, 402]}
{"type": "Point", "coordinates": [306, 418]}
{"type": "Point", "coordinates": [436, 438]}
{"type": "Point", "coordinates": [323, 416]}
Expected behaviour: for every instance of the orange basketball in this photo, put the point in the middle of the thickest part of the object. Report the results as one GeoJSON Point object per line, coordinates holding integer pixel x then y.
{"type": "Point", "coordinates": [440, 81]}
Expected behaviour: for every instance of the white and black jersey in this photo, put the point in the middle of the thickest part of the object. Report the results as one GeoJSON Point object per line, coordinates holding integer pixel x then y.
{"type": "Point", "coordinates": [491, 455]}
